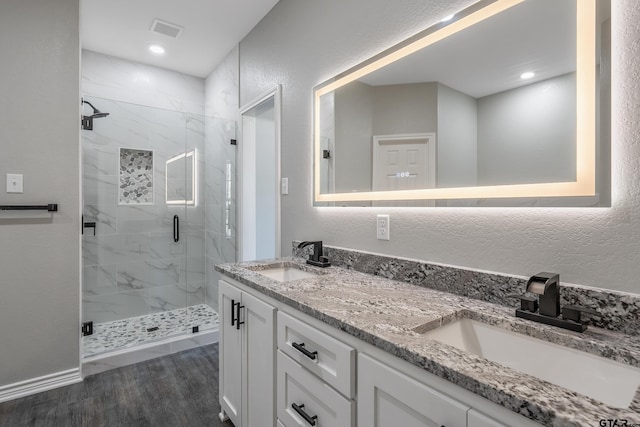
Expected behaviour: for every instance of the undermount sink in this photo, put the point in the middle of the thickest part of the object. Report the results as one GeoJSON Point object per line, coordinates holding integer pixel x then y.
{"type": "Point", "coordinates": [285, 273]}
{"type": "Point", "coordinates": [605, 380]}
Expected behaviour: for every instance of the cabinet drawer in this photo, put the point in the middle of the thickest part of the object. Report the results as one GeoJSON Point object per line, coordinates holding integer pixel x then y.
{"type": "Point", "coordinates": [323, 406]}
{"type": "Point", "coordinates": [326, 357]}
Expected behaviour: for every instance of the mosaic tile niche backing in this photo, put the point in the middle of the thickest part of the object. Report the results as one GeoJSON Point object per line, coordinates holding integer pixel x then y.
{"type": "Point", "coordinates": [136, 176]}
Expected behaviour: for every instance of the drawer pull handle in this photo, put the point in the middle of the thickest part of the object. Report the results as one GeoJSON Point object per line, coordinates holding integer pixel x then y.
{"type": "Point", "coordinates": [300, 410]}
{"type": "Point", "coordinates": [238, 322]}
{"type": "Point", "coordinates": [233, 312]}
{"type": "Point", "coordinates": [300, 347]}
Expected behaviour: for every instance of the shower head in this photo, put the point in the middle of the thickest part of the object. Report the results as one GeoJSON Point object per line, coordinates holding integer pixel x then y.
{"type": "Point", "coordinates": [87, 121]}
{"type": "Point", "coordinates": [96, 113]}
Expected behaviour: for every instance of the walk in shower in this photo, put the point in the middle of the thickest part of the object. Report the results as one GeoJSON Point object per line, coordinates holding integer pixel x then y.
{"type": "Point", "coordinates": [158, 213]}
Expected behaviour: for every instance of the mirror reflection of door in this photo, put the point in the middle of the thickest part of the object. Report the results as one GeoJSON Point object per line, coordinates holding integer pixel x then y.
{"type": "Point", "coordinates": [404, 162]}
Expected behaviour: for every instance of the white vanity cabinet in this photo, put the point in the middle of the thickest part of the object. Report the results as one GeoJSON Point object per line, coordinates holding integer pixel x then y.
{"type": "Point", "coordinates": [247, 352]}
{"type": "Point", "coordinates": [277, 357]}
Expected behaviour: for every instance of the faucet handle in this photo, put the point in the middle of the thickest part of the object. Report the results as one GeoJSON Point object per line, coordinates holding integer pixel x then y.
{"type": "Point", "coordinates": [574, 312]}
{"type": "Point", "coordinates": [528, 303]}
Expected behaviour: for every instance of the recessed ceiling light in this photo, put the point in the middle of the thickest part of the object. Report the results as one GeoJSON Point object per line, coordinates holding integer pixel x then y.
{"type": "Point", "coordinates": [157, 49]}
{"type": "Point", "coordinates": [527, 75]}
{"type": "Point", "coordinates": [448, 18]}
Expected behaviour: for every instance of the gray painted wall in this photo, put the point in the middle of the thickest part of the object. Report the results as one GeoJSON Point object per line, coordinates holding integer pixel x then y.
{"type": "Point", "coordinates": [407, 108]}
{"type": "Point", "coordinates": [457, 138]}
{"type": "Point", "coordinates": [527, 135]}
{"type": "Point", "coordinates": [597, 247]}
{"type": "Point", "coordinates": [40, 259]}
{"type": "Point", "coordinates": [354, 107]}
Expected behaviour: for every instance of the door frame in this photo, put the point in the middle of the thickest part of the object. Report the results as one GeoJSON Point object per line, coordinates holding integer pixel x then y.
{"type": "Point", "coordinates": [378, 140]}
{"type": "Point", "coordinates": [276, 95]}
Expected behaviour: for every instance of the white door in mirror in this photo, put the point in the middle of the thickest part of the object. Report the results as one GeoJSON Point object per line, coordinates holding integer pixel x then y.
{"type": "Point", "coordinates": [382, 227]}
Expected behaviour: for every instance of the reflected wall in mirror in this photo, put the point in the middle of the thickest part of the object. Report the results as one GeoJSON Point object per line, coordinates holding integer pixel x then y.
{"type": "Point", "coordinates": [509, 99]}
{"type": "Point", "coordinates": [181, 179]}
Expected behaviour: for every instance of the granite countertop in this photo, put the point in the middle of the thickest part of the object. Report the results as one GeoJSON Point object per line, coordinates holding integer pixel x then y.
{"type": "Point", "coordinates": [393, 315]}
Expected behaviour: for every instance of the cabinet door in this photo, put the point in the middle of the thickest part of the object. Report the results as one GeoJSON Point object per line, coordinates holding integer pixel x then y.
{"type": "Point", "coordinates": [387, 397]}
{"type": "Point", "coordinates": [230, 385]}
{"type": "Point", "coordinates": [260, 367]}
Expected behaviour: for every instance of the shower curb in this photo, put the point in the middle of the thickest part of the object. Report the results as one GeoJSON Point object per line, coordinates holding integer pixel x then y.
{"type": "Point", "coordinates": [115, 359]}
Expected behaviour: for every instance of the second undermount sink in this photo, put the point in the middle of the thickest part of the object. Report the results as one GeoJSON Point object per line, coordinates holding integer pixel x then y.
{"type": "Point", "coordinates": [285, 273]}
{"type": "Point", "coordinates": [605, 380]}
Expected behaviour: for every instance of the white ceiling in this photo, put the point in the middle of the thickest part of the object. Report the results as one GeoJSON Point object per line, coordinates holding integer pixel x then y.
{"type": "Point", "coordinates": [211, 29]}
{"type": "Point", "coordinates": [489, 57]}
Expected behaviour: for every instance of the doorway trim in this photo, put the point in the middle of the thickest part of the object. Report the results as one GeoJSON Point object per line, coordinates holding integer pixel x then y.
{"type": "Point", "coordinates": [276, 95]}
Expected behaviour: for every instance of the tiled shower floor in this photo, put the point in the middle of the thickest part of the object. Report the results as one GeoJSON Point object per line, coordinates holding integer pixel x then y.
{"type": "Point", "coordinates": [120, 334]}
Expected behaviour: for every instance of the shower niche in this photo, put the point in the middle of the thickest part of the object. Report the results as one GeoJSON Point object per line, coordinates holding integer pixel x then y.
{"type": "Point", "coordinates": [136, 177]}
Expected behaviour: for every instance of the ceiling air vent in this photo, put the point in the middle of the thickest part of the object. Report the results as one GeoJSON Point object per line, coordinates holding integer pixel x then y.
{"type": "Point", "coordinates": [165, 28]}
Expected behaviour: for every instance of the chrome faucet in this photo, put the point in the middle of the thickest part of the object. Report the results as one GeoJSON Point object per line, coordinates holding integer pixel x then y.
{"type": "Point", "coordinates": [316, 258]}
{"type": "Point", "coordinates": [547, 287]}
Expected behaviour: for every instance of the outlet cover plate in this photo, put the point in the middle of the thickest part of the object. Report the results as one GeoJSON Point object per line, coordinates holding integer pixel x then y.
{"type": "Point", "coordinates": [382, 227]}
{"type": "Point", "coordinates": [14, 183]}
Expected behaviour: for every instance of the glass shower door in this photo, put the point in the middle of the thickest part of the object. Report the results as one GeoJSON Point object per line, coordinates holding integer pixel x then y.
{"type": "Point", "coordinates": [133, 248]}
{"type": "Point", "coordinates": [159, 190]}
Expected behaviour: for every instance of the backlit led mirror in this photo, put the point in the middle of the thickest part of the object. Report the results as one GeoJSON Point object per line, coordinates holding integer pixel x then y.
{"type": "Point", "coordinates": [181, 179]}
{"type": "Point", "coordinates": [507, 103]}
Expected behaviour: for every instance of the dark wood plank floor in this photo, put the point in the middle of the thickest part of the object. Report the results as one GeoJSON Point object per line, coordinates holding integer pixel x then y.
{"type": "Point", "coordinates": [176, 390]}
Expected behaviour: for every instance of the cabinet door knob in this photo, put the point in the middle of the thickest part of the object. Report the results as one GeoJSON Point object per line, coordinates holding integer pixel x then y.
{"type": "Point", "coordinates": [300, 347]}
{"type": "Point", "coordinates": [300, 410]}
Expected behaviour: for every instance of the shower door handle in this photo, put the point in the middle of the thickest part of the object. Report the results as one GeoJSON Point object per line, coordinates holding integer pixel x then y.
{"type": "Point", "coordinates": [176, 228]}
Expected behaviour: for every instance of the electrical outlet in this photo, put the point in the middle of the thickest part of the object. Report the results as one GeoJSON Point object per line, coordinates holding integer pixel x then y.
{"type": "Point", "coordinates": [382, 227]}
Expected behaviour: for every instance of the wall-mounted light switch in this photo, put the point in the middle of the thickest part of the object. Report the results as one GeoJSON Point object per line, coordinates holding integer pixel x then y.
{"type": "Point", "coordinates": [285, 186]}
{"type": "Point", "coordinates": [382, 227]}
{"type": "Point", "coordinates": [14, 183]}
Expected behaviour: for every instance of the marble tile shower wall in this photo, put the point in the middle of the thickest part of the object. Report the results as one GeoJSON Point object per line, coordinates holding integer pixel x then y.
{"type": "Point", "coordinates": [132, 266]}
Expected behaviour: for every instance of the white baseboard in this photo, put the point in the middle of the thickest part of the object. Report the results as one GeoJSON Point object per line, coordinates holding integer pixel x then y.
{"type": "Point", "coordinates": [140, 353]}
{"type": "Point", "coordinates": [40, 384]}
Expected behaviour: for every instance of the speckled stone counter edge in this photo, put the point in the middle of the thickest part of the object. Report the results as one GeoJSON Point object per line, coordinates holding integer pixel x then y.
{"type": "Point", "coordinates": [618, 311]}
